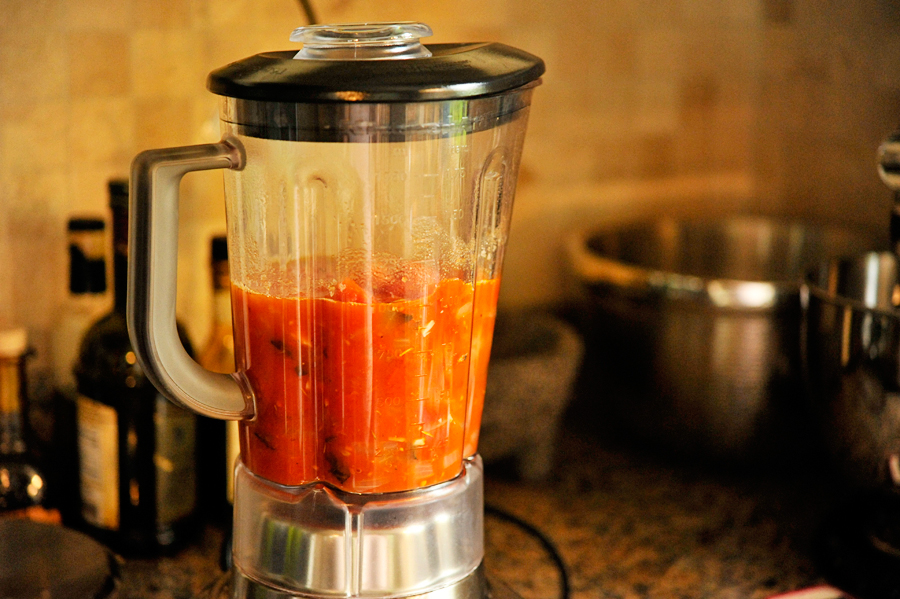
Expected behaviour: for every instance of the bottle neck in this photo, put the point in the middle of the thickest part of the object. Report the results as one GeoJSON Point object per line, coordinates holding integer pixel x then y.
{"type": "Point", "coordinates": [12, 388]}
{"type": "Point", "coordinates": [222, 308]}
{"type": "Point", "coordinates": [120, 257]}
{"type": "Point", "coordinates": [221, 293]}
{"type": "Point", "coordinates": [120, 277]}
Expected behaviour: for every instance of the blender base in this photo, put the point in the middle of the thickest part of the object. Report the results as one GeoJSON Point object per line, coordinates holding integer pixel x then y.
{"type": "Point", "coordinates": [477, 585]}
{"type": "Point", "coordinates": [316, 541]}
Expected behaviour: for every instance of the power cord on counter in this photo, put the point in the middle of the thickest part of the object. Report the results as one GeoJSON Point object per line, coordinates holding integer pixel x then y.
{"type": "Point", "coordinates": [545, 542]}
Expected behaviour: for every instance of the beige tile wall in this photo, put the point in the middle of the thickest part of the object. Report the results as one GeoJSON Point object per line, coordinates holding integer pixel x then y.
{"type": "Point", "coordinates": [647, 105]}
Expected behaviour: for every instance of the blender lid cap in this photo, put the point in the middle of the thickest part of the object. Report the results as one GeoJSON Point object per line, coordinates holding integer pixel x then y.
{"type": "Point", "coordinates": [375, 62]}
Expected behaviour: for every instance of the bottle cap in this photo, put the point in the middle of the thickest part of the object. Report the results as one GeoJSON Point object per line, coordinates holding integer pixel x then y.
{"type": "Point", "coordinates": [219, 249]}
{"type": "Point", "coordinates": [118, 193]}
{"type": "Point", "coordinates": [87, 255]}
{"type": "Point", "coordinates": [79, 223]}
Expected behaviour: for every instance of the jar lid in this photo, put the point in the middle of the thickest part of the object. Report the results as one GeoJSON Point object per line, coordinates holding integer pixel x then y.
{"type": "Point", "coordinates": [375, 62]}
{"type": "Point", "coordinates": [46, 560]}
{"type": "Point", "coordinates": [13, 342]}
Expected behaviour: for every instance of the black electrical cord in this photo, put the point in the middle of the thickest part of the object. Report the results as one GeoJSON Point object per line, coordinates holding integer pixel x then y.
{"type": "Point", "coordinates": [545, 542]}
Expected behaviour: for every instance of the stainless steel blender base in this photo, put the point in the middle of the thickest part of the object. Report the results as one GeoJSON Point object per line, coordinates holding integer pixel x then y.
{"type": "Point", "coordinates": [316, 541]}
{"type": "Point", "coordinates": [475, 586]}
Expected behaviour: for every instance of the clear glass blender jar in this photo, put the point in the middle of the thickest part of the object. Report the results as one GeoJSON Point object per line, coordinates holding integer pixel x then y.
{"type": "Point", "coordinates": [365, 278]}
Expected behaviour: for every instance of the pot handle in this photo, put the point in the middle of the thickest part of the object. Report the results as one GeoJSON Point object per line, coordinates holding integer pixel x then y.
{"type": "Point", "coordinates": [153, 254]}
{"type": "Point", "coordinates": [889, 161]}
{"type": "Point", "coordinates": [889, 170]}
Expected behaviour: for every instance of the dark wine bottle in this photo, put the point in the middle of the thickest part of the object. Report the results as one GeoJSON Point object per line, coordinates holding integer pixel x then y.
{"type": "Point", "coordinates": [86, 301]}
{"type": "Point", "coordinates": [219, 439]}
{"type": "Point", "coordinates": [137, 451]}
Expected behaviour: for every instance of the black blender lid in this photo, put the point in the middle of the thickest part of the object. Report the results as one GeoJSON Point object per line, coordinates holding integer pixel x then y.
{"type": "Point", "coordinates": [375, 63]}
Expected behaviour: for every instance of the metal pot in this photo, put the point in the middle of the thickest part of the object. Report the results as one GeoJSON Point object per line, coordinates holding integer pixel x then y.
{"type": "Point", "coordinates": [693, 336]}
{"type": "Point", "coordinates": [852, 359]}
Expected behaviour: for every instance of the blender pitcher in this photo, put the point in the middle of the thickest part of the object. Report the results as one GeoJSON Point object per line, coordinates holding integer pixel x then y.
{"type": "Point", "coordinates": [369, 183]}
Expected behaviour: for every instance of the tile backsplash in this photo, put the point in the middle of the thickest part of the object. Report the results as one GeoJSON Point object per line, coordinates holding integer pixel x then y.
{"type": "Point", "coordinates": [764, 105]}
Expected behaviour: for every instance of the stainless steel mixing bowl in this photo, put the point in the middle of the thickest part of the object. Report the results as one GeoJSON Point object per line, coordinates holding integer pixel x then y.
{"type": "Point", "coordinates": [692, 335]}
{"type": "Point", "coordinates": [852, 348]}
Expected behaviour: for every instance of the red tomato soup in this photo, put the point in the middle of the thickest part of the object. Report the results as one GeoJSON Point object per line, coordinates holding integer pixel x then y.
{"type": "Point", "coordinates": [365, 391]}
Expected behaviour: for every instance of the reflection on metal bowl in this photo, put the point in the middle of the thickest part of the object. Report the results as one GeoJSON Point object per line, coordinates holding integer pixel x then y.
{"type": "Point", "coordinates": [693, 334]}
{"type": "Point", "coordinates": [852, 349]}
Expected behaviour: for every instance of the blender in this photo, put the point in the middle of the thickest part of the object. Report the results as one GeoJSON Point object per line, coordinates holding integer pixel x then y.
{"type": "Point", "coordinates": [369, 182]}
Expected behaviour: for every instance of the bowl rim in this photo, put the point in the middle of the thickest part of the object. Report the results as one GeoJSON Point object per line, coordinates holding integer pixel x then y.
{"type": "Point", "coordinates": [600, 272]}
{"type": "Point", "coordinates": [828, 296]}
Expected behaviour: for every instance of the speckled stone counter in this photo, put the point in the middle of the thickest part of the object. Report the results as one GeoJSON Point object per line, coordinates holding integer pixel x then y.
{"type": "Point", "coordinates": [188, 574]}
{"type": "Point", "coordinates": [627, 525]}
{"type": "Point", "coordinates": [631, 526]}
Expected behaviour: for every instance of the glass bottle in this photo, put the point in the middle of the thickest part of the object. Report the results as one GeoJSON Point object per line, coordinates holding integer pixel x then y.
{"type": "Point", "coordinates": [137, 450]}
{"type": "Point", "coordinates": [22, 485]}
{"type": "Point", "coordinates": [221, 444]}
{"type": "Point", "coordinates": [218, 353]}
{"type": "Point", "coordinates": [86, 301]}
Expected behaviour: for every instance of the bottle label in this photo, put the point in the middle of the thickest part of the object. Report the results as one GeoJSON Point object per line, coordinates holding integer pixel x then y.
{"type": "Point", "coordinates": [176, 485]}
{"type": "Point", "coordinates": [98, 450]}
{"type": "Point", "coordinates": [232, 450]}
{"type": "Point", "coordinates": [10, 408]}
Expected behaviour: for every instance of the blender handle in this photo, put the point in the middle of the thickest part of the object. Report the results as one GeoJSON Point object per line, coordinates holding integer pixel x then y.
{"type": "Point", "coordinates": [152, 263]}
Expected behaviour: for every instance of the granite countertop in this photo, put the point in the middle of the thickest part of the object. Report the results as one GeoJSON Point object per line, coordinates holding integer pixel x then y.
{"type": "Point", "coordinates": [627, 524]}
{"type": "Point", "coordinates": [636, 526]}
